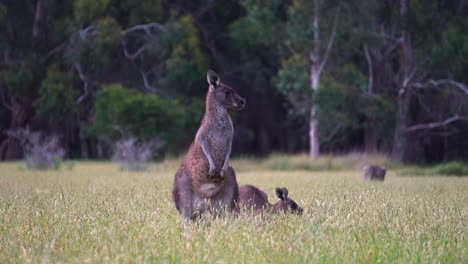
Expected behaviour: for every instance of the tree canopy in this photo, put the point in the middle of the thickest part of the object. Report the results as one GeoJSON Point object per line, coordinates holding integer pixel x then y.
{"type": "Point", "coordinates": [384, 76]}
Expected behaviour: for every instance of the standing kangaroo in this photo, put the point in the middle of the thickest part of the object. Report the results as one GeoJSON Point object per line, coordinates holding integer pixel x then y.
{"type": "Point", "coordinates": [205, 182]}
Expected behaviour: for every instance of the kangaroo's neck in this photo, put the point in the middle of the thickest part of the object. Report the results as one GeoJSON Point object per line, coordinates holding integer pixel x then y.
{"type": "Point", "coordinates": [214, 111]}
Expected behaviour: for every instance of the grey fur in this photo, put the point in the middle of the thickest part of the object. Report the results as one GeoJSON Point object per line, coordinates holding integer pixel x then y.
{"type": "Point", "coordinates": [374, 172]}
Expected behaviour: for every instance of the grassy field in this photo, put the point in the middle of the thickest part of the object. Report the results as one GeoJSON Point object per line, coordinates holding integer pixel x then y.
{"type": "Point", "coordinates": [95, 212]}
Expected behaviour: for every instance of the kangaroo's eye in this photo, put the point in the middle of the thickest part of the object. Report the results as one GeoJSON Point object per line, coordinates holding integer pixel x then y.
{"type": "Point", "coordinates": [227, 92]}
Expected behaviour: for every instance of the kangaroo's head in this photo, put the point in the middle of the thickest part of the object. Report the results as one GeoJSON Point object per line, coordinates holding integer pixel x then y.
{"type": "Point", "coordinates": [285, 204]}
{"type": "Point", "coordinates": [222, 94]}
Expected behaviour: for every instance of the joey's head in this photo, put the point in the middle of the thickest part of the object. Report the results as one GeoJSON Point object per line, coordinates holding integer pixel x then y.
{"type": "Point", "coordinates": [222, 94]}
{"type": "Point", "coordinates": [285, 204]}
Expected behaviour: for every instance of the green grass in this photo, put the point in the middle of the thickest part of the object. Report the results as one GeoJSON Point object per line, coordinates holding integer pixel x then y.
{"type": "Point", "coordinates": [98, 213]}
{"type": "Point", "coordinates": [453, 168]}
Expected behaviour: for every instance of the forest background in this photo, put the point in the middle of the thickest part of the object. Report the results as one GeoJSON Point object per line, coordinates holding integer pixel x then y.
{"type": "Point", "coordinates": [319, 76]}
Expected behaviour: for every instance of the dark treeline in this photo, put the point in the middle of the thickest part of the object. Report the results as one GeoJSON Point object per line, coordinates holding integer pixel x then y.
{"type": "Point", "coordinates": [319, 76]}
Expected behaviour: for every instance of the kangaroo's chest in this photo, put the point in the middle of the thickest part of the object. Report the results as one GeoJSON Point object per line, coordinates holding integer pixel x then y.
{"type": "Point", "coordinates": [220, 141]}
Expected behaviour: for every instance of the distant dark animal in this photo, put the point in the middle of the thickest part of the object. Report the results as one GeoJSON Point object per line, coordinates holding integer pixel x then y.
{"type": "Point", "coordinates": [253, 199]}
{"type": "Point", "coordinates": [205, 182]}
{"type": "Point", "coordinates": [373, 172]}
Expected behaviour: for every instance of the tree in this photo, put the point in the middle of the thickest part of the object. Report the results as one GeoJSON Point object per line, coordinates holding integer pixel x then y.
{"type": "Point", "coordinates": [410, 68]}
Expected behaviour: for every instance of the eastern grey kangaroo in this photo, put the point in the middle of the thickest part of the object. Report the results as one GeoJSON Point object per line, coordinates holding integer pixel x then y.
{"type": "Point", "coordinates": [252, 198]}
{"type": "Point", "coordinates": [205, 182]}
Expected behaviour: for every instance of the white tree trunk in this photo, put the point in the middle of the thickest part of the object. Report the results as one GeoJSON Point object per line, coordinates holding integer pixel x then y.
{"type": "Point", "coordinates": [313, 135]}
{"type": "Point", "coordinates": [314, 145]}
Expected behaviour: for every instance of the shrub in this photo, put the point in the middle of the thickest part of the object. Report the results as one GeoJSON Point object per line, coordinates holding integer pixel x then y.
{"type": "Point", "coordinates": [134, 156]}
{"type": "Point", "coordinates": [454, 168]}
{"type": "Point", "coordinates": [40, 152]}
{"type": "Point", "coordinates": [122, 111]}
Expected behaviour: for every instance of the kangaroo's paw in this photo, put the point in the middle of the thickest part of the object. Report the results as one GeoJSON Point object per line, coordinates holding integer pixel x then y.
{"type": "Point", "coordinates": [212, 173]}
{"type": "Point", "coordinates": [223, 172]}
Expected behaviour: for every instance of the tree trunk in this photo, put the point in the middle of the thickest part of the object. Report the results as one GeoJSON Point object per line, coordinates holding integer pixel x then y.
{"type": "Point", "coordinates": [313, 135]}
{"type": "Point", "coordinates": [404, 93]}
{"type": "Point", "coordinates": [370, 135]}
{"type": "Point", "coordinates": [10, 148]}
{"type": "Point", "coordinates": [38, 26]}
{"type": "Point", "coordinates": [314, 145]}
{"type": "Point", "coordinates": [400, 134]}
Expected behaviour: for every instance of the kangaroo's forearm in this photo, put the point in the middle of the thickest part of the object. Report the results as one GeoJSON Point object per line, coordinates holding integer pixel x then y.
{"type": "Point", "coordinates": [226, 158]}
{"type": "Point", "coordinates": [207, 153]}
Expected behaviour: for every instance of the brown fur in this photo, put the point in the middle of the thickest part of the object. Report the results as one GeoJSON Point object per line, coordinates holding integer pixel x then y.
{"type": "Point", "coordinates": [374, 172]}
{"type": "Point", "coordinates": [253, 199]}
{"type": "Point", "coordinates": [205, 181]}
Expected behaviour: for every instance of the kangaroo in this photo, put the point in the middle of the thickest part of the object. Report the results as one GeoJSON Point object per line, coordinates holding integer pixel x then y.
{"type": "Point", "coordinates": [374, 172]}
{"type": "Point", "coordinates": [204, 181]}
{"type": "Point", "coordinates": [252, 198]}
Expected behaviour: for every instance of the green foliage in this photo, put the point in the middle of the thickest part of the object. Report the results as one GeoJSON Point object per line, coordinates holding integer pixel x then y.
{"type": "Point", "coordinates": [186, 64]}
{"type": "Point", "coordinates": [20, 77]}
{"type": "Point", "coordinates": [17, 79]}
{"type": "Point", "coordinates": [337, 112]}
{"type": "Point", "coordinates": [57, 98]}
{"type": "Point", "coordinates": [88, 10]}
{"type": "Point", "coordinates": [144, 11]}
{"type": "Point", "coordinates": [96, 51]}
{"type": "Point", "coordinates": [3, 13]}
{"type": "Point", "coordinates": [455, 168]}
{"type": "Point", "coordinates": [255, 40]}
{"type": "Point", "coordinates": [299, 34]}
{"type": "Point", "coordinates": [261, 27]}
{"type": "Point", "coordinates": [119, 110]}
{"type": "Point", "coordinates": [293, 82]}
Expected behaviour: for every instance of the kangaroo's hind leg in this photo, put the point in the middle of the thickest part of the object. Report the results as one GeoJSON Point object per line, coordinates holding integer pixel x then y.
{"type": "Point", "coordinates": [229, 193]}
{"type": "Point", "coordinates": [182, 194]}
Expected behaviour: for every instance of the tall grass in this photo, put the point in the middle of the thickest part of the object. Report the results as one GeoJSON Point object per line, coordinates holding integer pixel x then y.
{"type": "Point", "coordinates": [283, 162]}
{"type": "Point", "coordinates": [98, 213]}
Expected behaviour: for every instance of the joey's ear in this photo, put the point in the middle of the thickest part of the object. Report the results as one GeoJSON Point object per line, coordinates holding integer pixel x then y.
{"type": "Point", "coordinates": [279, 193]}
{"type": "Point", "coordinates": [285, 193]}
{"type": "Point", "coordinates": [213, 78]}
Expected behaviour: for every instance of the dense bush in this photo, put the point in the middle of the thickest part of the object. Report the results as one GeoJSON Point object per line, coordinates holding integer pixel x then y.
{"type": "Point", "coordinates": [57, 101]}
{"type": "Point", "coordinates": [454, 168]}
{"type": "Point", "coordinates": [122, 111]}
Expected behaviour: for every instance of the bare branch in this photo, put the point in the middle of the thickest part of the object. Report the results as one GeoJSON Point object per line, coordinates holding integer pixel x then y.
{"type": "Point", "coordinates": [38, 20]}
{"type": "Point", "coordinates": [434, 83]}
{"type": "Point", "coordinates": [85, 83]}
{"type": "Point", "coordinates": [89, 31]}
{"type": "Point", "coordinates": [148, 87]}
{"type": "Point", "coordinates": [132, 56]}
{"type": "Point", "coordinates": [330, 41]}
{"type": "Point", "coordinates": [409, 77]}
{"type": "Point", "coordinates": [436, 124]}
{"type": "Point", "coordinates": [371, 70]}
{"type": "Point", "coordinates": [147, 28]}
{"type": "Point", "coordinates": [54, 51]}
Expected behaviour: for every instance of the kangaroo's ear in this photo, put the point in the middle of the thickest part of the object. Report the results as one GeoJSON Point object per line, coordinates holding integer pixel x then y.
{"type": "Point", "coordinates": [279, 193]}
{"type": "Point", "coordinates": [213, 78]}
{"type": "Point", "coordinates": [285, 193]}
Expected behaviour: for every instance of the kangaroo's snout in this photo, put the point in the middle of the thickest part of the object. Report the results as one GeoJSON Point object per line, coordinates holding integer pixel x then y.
{"type": "Point", "coordinates": [240, 103]}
